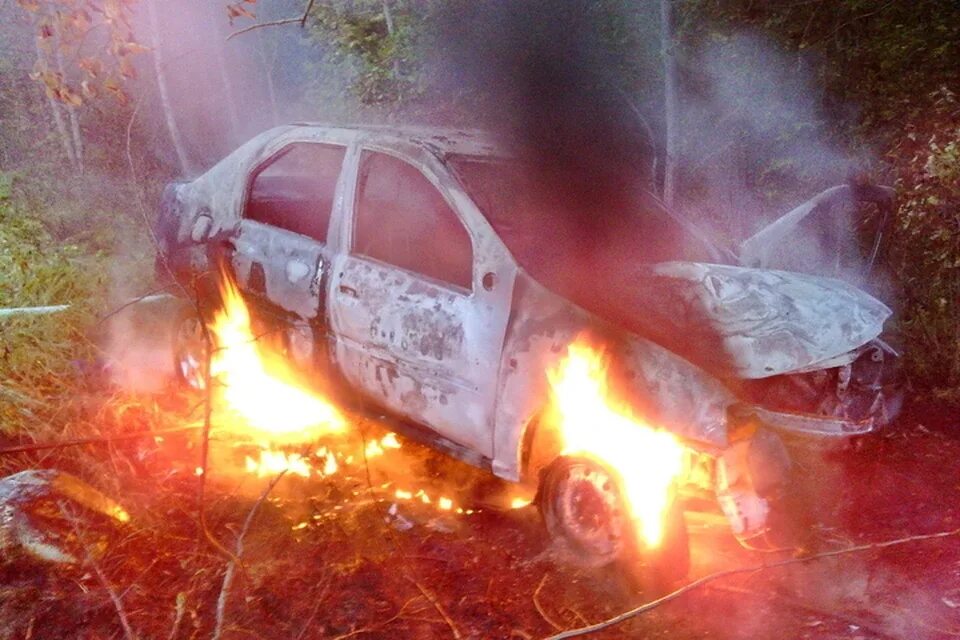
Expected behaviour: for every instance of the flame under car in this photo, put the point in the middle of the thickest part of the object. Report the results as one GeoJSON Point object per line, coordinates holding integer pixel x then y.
{"type": "Point", "coordinates": [417, 268]}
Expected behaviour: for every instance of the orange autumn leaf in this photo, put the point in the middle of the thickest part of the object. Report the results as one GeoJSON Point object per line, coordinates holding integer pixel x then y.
{"type": "Point", "coordinates": [112, 11]}
{"type": "Point", "coordinates": [80, 21]}
{"type": "Point", "coordinates": [66, 95]}
{"type": "Point", "coordinates": [237, 11]}
{"type": "Point", "coordinates": [130, 47]}
{"type": "Point", "coordinates": [127, 69]}
{"type": "Point", "coordinates": [92, 66]}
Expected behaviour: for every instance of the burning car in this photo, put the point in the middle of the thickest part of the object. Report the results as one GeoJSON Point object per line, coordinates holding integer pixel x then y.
{"type": "Point", "coordinates": [618, 376]}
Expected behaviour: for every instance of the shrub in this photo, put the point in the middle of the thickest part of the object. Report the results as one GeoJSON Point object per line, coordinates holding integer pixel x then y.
{"type": "Point", "coordinates": [39, 353]}
{"type": "Point", "coordinates": [925, 248]}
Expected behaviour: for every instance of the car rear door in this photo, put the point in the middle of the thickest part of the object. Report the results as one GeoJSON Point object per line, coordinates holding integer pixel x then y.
{"type": "Point", "coordinates": [279, 250]}
{"type": "Point", "coordinates": [420, 298]}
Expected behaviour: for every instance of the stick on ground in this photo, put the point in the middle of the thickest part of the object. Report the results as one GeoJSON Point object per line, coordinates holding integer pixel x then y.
{"type": "Point", "coordinates": [232, 566]}
{"type": "Point", "coordinates": [128, 632]}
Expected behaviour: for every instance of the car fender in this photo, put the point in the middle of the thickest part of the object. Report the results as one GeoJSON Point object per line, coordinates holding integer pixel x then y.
{"type": "Point", "coordinates": [666, 390]}
{"type": "Point", "coordinates": [541, 326]}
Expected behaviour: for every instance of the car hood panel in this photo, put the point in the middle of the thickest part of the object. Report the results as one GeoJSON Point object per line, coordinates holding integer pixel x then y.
{"type": "Point", "coordinates": [751, 323]}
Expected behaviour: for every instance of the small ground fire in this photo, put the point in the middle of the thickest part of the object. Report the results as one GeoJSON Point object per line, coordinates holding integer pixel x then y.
{"type": "Point", "coordinates": [260, 397]}
{"type": "Point", "coordinates": [259, 387]}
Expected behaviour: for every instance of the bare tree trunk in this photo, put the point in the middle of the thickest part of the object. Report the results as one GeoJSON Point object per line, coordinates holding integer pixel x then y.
{"type": "Point", "coordinates": [75, 132]}
{"type": "Point", "coordinates": [62, 131]}
{"type": "Point", "coordinates": [56, 113]}
{"type": "Point", "coordinates": [225, 76]}
{"type": "Point", "coordinates": [71, 110]}
{"type": "Point", "coordinates": [670, 102]}
{"type": "Point", "coordinates": [162, 86]}
{"type": "Point", "coordinates": [268, 71]}
{"type": "Point", "coordinates": [391, 30]}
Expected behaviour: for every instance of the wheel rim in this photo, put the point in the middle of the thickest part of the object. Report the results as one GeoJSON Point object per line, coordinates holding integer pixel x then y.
{"type": "Point", "coordinates": [190, 353]}
{"type": "Point", "coordinates": [588, 512]}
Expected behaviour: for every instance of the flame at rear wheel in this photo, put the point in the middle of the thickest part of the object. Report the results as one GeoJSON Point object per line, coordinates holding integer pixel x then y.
{"type": "Point", "coordinates": [190, 350]}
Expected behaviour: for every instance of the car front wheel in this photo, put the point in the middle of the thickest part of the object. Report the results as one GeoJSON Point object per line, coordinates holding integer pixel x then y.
{"type": "Point", "coordinates": [582, 506]}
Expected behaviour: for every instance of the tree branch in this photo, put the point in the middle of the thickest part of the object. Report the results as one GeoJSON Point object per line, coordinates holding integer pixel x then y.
{"type": "Point", "coordinates": [436, 605]}
{"type": "Point", "coordinates": [536, 603]}
{"type": "Point", "coordinates": [301, 20]}
{"type": "Point", "coordinates": [181, 608]}
{"type": "Point", "coordinates": [128, 631]}
{"type": "Point", "coordinates": [632, 613]}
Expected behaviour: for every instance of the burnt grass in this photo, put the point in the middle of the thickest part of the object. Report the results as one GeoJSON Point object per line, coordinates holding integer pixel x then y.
{"type": "Point", "coordinates": [340, 557]}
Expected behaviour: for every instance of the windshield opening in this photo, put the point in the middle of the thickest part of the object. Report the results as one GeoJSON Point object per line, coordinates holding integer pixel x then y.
{"type": "Point", "coordinates": [543, 232]}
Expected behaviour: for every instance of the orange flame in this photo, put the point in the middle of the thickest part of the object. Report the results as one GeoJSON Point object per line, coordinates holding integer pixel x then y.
{"type": "Point", "coordinates": [273, 462]}
{"type": "Point", "coordinates": [258, 385]}
{"type": "Point", "coordinates": [262, 398]}
{"type": "Point", "coordinates": [443, 503]}
{"type": "Point", "coordinates": [519, 503]}
{"type": "Point", "coordinates": [594, 425]}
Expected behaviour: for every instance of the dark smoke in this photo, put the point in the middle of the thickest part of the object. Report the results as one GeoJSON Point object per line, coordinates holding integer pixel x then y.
{"type": "Point", "coordinates": [549, 82]}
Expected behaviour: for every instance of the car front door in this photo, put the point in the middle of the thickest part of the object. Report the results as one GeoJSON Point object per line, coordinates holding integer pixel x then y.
{"type": "Point", "coordinates": [420, 300]}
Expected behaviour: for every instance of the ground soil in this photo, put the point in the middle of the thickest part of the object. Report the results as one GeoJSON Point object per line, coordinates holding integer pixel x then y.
{"type": "Point", "coordinates": [342, 557]}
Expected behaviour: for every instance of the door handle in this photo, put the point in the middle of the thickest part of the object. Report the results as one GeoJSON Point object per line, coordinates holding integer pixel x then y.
{"type": "Point", "coordinates": [350, 291]}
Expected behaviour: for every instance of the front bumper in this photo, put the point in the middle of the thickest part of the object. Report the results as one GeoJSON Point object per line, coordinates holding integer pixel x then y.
{"type": "Point", "coordinates": [815, 425]}
{"type": "Point", "coordinates": [852, 397]}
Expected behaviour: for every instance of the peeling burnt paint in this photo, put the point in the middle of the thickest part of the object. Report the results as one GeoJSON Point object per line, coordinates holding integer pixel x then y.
{"type": "Point", "coordinates": [434, 335]}
{"type": "Point", "coordinates": [751, 323]}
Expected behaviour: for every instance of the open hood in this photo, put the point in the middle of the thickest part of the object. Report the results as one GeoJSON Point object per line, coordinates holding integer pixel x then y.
{"type": "Point", "coordinates": [751, 323]}
{"type": "Point", "coordinates": [767, 247]}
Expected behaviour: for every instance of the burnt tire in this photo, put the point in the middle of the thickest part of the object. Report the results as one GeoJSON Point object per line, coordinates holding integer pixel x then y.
{"type": "Point", "coordinates": [190, 347]}
{"type": "Point", "coordinates": [582, 508]}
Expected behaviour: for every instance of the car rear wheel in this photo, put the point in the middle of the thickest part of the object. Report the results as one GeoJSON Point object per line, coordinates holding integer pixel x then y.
{"type": "Point", "coordinates": [190, 358]}
{"type": "Point", "coordinates": [582, 507]}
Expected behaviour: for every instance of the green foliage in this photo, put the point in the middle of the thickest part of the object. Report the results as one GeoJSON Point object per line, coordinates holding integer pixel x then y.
{"type": "Point", "coordinates": [880, 70]}
{"type": "Point", "coordinates": [377, 41]}
{"type": "Point", "coordinates": [874, 67]}
{"type": "Point", "coordinates": [38, 354]}
{"type": "Point", "coordinates": [876, 62]}
{"type": "Point", "coordinates": [925, 247]}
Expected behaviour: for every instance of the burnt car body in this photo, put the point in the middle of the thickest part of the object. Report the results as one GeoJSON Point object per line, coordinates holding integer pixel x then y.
{"type": "Point", "coordinates": [398, 259]}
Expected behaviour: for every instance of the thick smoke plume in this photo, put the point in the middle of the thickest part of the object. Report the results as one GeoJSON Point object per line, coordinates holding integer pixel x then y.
{"type": "Point", "coordinates": [549, 83]}
{"type": "Point", "coordinates": [559, 85]}
{"type": "Point", "coordinates": [758, 139]}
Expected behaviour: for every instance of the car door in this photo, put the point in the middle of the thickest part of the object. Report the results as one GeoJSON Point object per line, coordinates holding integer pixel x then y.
{"type": "Point", "coordinates": [420, 299]}
{"type": "Point", "coordinates": [279, 250]}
